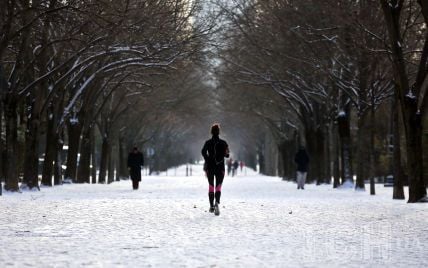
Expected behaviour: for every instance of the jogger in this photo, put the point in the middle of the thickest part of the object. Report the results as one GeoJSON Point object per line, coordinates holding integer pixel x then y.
{"type": "Point", "coordinates": [214, 152]}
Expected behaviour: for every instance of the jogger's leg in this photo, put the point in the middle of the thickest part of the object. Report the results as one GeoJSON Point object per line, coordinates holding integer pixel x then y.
{"type": "Point", "coordinates": [219, 176]}
{"type": "Point", "coordinates": [210, 176]}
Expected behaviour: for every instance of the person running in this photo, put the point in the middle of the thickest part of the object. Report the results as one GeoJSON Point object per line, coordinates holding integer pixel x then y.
{"type": "Point", "coordinates": [135, 162]}
{"type": "Point", "coordinates": [214, 152]}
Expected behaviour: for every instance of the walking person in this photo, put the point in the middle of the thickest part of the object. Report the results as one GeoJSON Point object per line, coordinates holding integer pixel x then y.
{"type": "Point", "coordinates": [235, 168]}
{"type": "Point", "coordinates": [214, 151]}
{"type": "Point", "coordinates": [302, 161]}
{"type": "Point", "coordinates": [229, 166]}
{"type": "Point", "coordinates": [135, 162]}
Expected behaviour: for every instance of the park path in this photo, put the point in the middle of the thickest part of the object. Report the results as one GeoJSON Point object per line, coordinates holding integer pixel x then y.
{"type": "Point", "coordinates": [264, 222]}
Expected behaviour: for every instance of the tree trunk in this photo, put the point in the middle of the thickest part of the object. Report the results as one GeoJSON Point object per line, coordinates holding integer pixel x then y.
{"type": "Point", "coordinates": [397, 168]}
{"type": "Point", "coordinates": [372, 149]}
{"type": "Point", "coordinates": [417, 188]}
{"type": "Point", "coordinates": [93, 157]}
{"type": "Point", "coordinates": [31, 157]}
{"type": "Point", "coordinates": [1, 140]}
{"type": "Point", "coordinates": [345, 142]}
{"type": "Point", "coordinates": [59, 142]}
{"type": "Point", "coordinates": [105, 149]}
{"type": "Point", "coordinates": [320, 153]}
{"type": "Point", "coordinates": [83, 172]}
{"type": "Point", "coordinates": [261, 160]}
{"type": "Point", "coordinates": [74, 131]}
{"type": "Point", "coordinates": [122, 172]}
{"type": "Point", "coordinates": [111, 166]}
{"type": "Point", "coordinates": [327, 156]}
{"type": "Point", "coordinates": [48, 164]}
{"type": "Point", "coordinates": [284, 150]}
{"type": "Point", "coordinates": [336, 158]}
{"type": "Point", "coordinates": [361, 153]}
{"type": "Point", "coordinates": [11, 117]}
{"type": "Point", "coordinates": [315, 146]}
{"type": "Point", "coordinates": [408, 100]}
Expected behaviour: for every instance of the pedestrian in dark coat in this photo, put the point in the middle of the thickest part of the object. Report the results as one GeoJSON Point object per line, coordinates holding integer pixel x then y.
{"type": "Point", "coordinates": [135, 163]}
{"type": "Point", "coordinates": [235, 168]}
{"type": "Point", "coordinates": [302, 161]}
{"type": "Point", "coordinates": [214, 152]}
{"type": "Point", "coordinates": [229, 166]}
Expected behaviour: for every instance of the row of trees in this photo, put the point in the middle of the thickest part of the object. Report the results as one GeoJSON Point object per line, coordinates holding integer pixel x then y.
{"type": "Point", "coordinates": [97, 76]}
{"type": "Point", "coordinates": [345, 78]}
{"type": "Point", "coordinates": [341, 76]}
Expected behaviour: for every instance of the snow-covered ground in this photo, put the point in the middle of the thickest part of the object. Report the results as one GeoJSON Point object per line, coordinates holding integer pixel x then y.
{"type": "Point", "coordinates": [264, 222]}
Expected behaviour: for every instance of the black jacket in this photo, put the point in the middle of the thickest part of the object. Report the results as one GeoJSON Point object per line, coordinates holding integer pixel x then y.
{"type": "Point", "coordinates": [135, 162]}
{"type": "Point", "coordinates": [214, 152]}
{"type": "Point", "coordinates": [302, 160]}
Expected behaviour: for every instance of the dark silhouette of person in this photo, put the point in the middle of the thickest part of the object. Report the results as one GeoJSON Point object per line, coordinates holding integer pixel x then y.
{"type": "Point", "coordinates": [302, 161]}
{"type": "Point", "coordinates": [229, 166]}
{"type": "Point", "coordinates": [214, 151]}
{"type": "Point", "coordinates": [135, 162]}
{"type": "Point", "coordinates": [235, 168]}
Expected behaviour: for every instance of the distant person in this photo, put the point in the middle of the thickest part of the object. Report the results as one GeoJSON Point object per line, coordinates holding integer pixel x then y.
{"type": "Point", "coordinates": [214, 152]}
{"type": "Point", "coordinates": [235, 168]}
{"type": "Point", "coordinates": [302, 161]}
{"type": "Point", "coordinates": [229, 166]}
{"type": "Point", "coordinates": [241, 165]}
{"type": "Point", "coordinates": [135, 162]}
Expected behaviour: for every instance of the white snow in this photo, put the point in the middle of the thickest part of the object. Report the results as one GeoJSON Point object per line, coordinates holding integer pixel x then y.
{"type": "Point", "coordinates": [264, 222]}
{"type": "Point", "coordinates": [410, 95]}
{"type": "Point", "coordinates": [74, 120]}
{"type": "Point", "coordinates": [347, 185]}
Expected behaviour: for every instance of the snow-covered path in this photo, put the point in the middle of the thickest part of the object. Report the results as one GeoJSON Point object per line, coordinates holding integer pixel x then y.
{"type": "Point", "coordinates": [264, 222]}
